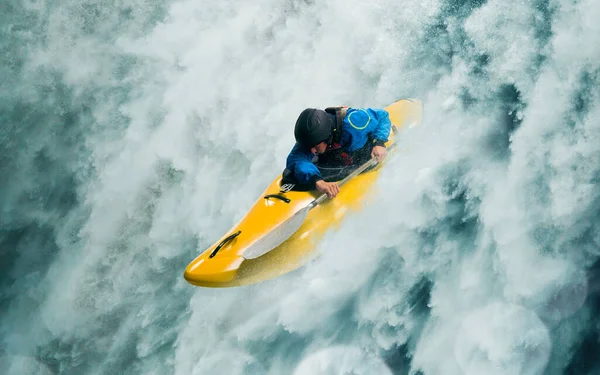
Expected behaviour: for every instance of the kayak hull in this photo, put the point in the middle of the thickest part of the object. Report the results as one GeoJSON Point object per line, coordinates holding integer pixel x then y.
{"type": "Point", "coordinates": [223, 263]}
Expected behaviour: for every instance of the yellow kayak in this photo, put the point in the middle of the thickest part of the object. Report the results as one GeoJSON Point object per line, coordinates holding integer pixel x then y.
{"type": "Point", "coordinates": [223, 264]}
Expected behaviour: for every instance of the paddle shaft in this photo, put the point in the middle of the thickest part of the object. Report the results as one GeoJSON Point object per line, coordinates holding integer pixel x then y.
{"type": "Point", "coordinates": [284, 230]}
{"type": "Point", "coordinates": [359, 170]}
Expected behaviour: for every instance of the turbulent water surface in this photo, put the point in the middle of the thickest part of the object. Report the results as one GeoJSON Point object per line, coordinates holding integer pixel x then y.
{"type": "Point", "coordinates": [134, 133]}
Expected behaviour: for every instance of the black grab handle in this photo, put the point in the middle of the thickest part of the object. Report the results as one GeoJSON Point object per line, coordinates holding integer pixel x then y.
{"type": "Point", "coordinates": [219, 246]}
{"type": "Point", "coordinates": [286, 200]}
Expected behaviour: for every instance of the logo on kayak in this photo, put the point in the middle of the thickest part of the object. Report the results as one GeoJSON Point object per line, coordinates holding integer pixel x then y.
{"type": "Point", "coordinates": [286, 187]}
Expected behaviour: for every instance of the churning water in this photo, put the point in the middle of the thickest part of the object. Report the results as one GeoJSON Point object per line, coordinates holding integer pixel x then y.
{"type": "Point", "coordinates": [134, 133]}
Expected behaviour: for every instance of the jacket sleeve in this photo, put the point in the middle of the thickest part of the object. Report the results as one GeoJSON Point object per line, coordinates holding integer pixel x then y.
{"type": "Point", "coordinates": [299, 162]}
{"type": "Point", "coordinates": [383, 127]}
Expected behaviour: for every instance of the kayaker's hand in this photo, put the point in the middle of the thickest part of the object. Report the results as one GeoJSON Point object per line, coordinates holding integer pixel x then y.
{"type": "Point", "coordinates": [379, 152]}
{"type": "Point", "coordinates": [331, 188]}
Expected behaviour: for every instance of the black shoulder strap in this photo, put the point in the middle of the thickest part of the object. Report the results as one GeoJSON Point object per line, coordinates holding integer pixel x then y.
{"type": "Point", "coordinates": [339, 118]}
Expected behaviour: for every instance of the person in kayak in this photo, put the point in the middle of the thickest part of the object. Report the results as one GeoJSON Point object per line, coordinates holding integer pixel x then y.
{"type": "Point", "coordinates": [331, 143]}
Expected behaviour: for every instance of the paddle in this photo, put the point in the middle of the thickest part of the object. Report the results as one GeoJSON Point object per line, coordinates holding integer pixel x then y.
{"type": "Point", "coordinates": [284, 230]}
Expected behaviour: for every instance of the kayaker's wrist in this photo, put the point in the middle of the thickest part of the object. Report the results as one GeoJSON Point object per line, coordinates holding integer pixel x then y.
{"type": "Point", "coordinates": [313, 181]}
{"type": "Point", "coordinates": [378, 142]}
{"type": "Point", "coordinates": [330, 188]}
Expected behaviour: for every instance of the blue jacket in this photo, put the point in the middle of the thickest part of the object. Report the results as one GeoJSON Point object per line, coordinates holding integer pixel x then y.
{"type": "Point", "coordinates": [357, 126]}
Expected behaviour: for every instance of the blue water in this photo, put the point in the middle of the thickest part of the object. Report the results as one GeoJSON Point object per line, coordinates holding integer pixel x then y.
{"type": "Point", "coordinates": [134, 133]}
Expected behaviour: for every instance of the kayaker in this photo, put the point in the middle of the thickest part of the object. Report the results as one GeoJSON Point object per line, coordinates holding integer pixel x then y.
{"type": "Point", "coordinates": [335, 139]}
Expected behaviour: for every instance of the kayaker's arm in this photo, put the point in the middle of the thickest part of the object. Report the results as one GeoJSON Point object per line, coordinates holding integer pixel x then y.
{"type": "Point", "coordinates": [365, 123]}
{"type": "Point", "coordinates": [305, 172]}
{"type": "Point", "coordinates": [384, 126]}
{"type": "Point", "coordinates": [381, 133]}
{"type": "Point", "coordinates": [299, 162]}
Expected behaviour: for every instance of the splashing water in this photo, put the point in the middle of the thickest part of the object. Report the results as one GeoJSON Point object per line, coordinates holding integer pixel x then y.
{"type": "Point", "coordinates": [134, 133]}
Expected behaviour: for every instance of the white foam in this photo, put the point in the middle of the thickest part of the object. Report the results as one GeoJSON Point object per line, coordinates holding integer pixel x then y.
{"type": "Point", "coordinates": [341, 360]}
{"type": "Point", "coordinates": [215, 89]}
{"type": "Point", "coordinates": [502, 339]}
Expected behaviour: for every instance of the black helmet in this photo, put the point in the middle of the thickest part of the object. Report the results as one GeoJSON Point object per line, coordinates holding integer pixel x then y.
{"type": "Point", "coordinates": [313, 127]}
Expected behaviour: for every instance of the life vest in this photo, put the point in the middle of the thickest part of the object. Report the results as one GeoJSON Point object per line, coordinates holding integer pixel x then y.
{"type": "Point", "coordinates": [339, 113]}
{"type": "Point", "coordinates": [335, 155]}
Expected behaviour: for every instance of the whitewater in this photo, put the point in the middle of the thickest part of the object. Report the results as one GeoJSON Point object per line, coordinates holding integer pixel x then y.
{"type": "Point", "coordinates": [134, 133]}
